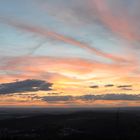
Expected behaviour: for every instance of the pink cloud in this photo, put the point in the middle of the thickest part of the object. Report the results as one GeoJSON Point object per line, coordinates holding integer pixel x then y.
{"type": "Point", "coordinates": [123, 25]}
{"type": "Point", "coordinates": [42, 67]}
{"type": "Point", "coordinates": [60, 37]}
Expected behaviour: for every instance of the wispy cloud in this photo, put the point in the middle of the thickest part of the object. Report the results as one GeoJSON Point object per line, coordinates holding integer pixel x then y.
{"type": "Point", "coordinates": [37, 65]}
{"type": "Point", "coordinates": [44, 32]}
{"type": "Point", "coordinates": [124, 24]}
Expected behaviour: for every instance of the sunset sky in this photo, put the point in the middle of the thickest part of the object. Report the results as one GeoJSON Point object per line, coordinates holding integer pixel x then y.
{"type": "Point", "coordinates": [70, 53]}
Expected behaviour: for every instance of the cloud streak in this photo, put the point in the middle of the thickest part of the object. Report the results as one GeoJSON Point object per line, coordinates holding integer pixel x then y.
{"type": "Point", "coordinates": [76, 66]}
{"type": "Point", "coordinates": [123, 25]}
{"type": "Point", "coordinates": [124, 86]}
{"type": "Point", "coordinates": [109, 85]}
{"type": "Point", "coordinates": [57, 36]}
{"type": "Point", "coordinates": [95, 86]}
{"type": "Point", "coordinates": [93, 98]}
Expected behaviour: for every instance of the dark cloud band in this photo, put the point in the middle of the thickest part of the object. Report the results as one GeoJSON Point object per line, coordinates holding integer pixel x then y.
{"type": "Point", "coordinates": [25, 86]}
{"type": "Point", "coordinates": [126, 97]}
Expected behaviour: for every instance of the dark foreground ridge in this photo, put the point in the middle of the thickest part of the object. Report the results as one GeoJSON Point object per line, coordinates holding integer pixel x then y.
{"type": "Point", "coordinates": [70, 124]}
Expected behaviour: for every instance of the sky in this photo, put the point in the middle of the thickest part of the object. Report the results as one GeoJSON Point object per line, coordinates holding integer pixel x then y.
{"type": "Point", "coordinates": [70, 53]}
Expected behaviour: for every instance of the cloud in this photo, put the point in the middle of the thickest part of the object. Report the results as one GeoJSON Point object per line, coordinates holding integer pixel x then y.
{"type": "Point", "coordinates": [95, 86]}
{"type": "Point", "coordinates": [110, 97]}
{"type": "Point", "coordinates": [67, 98]}
{"type": "Point", "coordinates": [36, 66]}
{"type": "Point", "coordinates": [110, 14]}
{"type": "Point", "coordinates": [109, 85]}
{"type": "Point", "coordinates": [57, 98]}
{"type": "Point", "coordinates": [54, 93]}
{"type": "Point", "coordinates": [25, 86]}
{"type": "Point", "coordinates": [124, 86]}
{"type": "Point", "coordinates": [60, 37]}
{"type": "Point", "coordinates": [118, 97]}
{"type": "Point", "coordinates": [126, 89]}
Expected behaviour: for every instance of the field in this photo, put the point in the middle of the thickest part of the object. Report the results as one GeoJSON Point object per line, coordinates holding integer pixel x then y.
{"type": "Point", "coordinates": [69, 124]}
